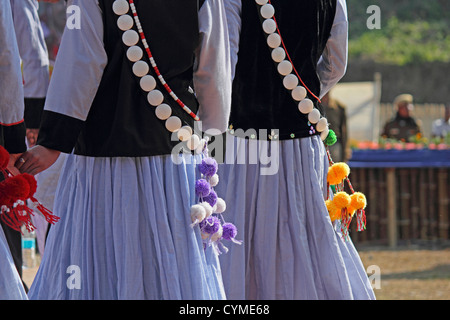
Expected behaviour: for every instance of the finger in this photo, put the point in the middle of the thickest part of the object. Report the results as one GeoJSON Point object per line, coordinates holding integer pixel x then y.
{"type": "Point", "coordinates": [20, 162]}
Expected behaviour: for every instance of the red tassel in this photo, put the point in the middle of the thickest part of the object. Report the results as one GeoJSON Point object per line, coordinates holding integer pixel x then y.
{"type": "Point", "coordinates": [47, 214]}
{"type": "Point", "coordinates": [361, 220]}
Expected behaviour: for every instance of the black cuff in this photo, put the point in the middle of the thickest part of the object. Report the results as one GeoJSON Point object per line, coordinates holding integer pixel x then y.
{"type": "Point", "coordinates": [13, 138]}
{"type": "Point", "coordinates": [58, 131]}
{"type": "Point", "coordinates": [33, 112]}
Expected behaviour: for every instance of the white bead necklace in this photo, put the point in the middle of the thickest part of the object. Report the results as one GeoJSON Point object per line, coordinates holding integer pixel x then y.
{"type": "Point", "coordinates": [141, 69]}
{"type": "Point", "coordinates": [285, 68]}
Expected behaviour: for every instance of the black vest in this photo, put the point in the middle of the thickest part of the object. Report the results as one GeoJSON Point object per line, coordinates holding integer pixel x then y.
{"type": "Point", "coordinates": [121, 122]}
{"type": "Point", "coordinates": [260, 101]}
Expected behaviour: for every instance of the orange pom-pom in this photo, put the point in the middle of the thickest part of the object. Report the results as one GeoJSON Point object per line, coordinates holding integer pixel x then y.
{"type": "Point", "coordinates": [358, 200]}
{"type": "Point", "coordinates": [333, 211]}
{"type": "Point", "coordinates": [341, 200]}
{"type": "Point", "coordinates": [337, 173]}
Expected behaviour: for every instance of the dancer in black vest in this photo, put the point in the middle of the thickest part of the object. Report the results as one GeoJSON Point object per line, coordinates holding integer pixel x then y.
{"type": "Point", "coordinates": [126, 89]}
{"type": "Point", "coordinates": [287, 54]}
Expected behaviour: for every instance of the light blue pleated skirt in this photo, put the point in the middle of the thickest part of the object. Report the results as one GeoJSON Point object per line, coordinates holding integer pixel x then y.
{"type": "Point", "coordinates": [290, 248]}
{"type": "Point", "coordinates": [11, 287]}
{"type": "Point", "coordinates": [125, 233]}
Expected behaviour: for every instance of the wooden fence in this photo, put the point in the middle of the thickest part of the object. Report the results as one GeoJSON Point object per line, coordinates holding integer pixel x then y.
{"type": "Point", "coordinates": [405, 205]}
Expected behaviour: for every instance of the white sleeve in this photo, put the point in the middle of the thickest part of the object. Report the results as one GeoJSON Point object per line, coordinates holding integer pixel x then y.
{"type": "Point", "coordinates": [212, 70]}
{"type": "Point", "coordinates": [233, 9]}
{"type": "Point", "coordinates": [333, 62]}
{"type": "Point", "coordinates": [11, 88]}
{"type": "Point", "coordinates": [32, 47]}
{"type": "Point", "coordinates": [80, 62]}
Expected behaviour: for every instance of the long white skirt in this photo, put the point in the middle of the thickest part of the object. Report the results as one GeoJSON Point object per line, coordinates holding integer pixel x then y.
{"type": "Point", "coordinates": [125, 233]}
{"type": "Point", "coordinates": [11, 287]}
{"type": "Point", "coordinates": [290, 249]}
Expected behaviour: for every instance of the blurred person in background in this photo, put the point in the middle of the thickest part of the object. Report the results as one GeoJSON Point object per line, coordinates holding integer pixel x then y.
{"type": "Point", "coordinates": [403, 126]}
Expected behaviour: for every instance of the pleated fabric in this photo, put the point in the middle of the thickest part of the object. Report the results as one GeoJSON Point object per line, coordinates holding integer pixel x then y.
{"type": "Point", "coordinates": [275, 195]}
{"type": "Point", "coordinates": [11, 287]}
{"type": "Point", "coordinates": [125, 233]}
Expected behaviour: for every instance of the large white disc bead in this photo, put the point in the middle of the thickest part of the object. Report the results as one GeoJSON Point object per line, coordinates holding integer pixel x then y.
{"type": "Point", "coordinates": [130, 38]}
{"type": "Point", "coordinates": [290, 81]}
{"type": "Point", "coordinates": [121, 7]}
{"type": "Point", "coordinates": [155, 97]}
{"type": "Point", "coordinates": [274, 40]}
{"type": "Point", "coordinates": [140, 68]}
{"type": "Point", "coordinates": [269, 26]}
{"type": "Point", "coordinates": [299, 93]}
{"type": "Point", "coordinates": [173, 124]}
{"type": "Point", "coordinates": [193, 142]}
{"type": "Point", "coordinates": [306, 106]}
{"type": "Point", "coordinates": [125, 22]}
{"type": "Point", "coordinates": [322, 124]}
{"type": "Point", "coordinates": [314, 116]}
{"type": "Point", "coordinates": [284, 67]}
{"type": "Point", "coordinates": [267, 11]}
{"type": "Point", "coordinates": [148, 83]}
{"type": "Point", "coordinates": [278, 54]}
{"type": "Point", "coordinates": [163, 111]}
{"type": "Point", "coordinates": [134, 53]}
{"type": "Point", "coordinates": [324, 134]}
{"type": "Point", "coordinates": [261, 2]}
{"type": "Point", "coordinates": [185, 133]}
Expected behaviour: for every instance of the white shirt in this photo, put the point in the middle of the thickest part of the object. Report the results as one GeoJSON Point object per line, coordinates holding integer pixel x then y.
{"type": "Point", "coordinates": [333, 62]}
{"type": "Point", "coordinates": [82, 59]}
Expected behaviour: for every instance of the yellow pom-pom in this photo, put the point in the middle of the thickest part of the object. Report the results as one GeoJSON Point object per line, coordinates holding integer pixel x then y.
{"type": "Point", "coordinates": [333, 211]}
{"type": "Point", "coordinates": [337, 173]}
{"type": "Point", "coordinates": [341, 200]}
{"type": "Point", "coordinates": [358, 200]}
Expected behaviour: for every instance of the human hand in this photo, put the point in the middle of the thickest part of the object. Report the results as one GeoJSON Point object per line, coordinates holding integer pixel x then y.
{"type": "Point", "coordinates": [32, 135]}
{"type": "Point", "coordinates": [36, 160]}
{"type": "Point", "coordinates": [12, 160]}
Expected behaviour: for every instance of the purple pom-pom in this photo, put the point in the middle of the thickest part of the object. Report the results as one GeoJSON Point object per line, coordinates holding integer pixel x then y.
{"type": "Point", "coordinates": [208, 167]}
{"type": "Point", "coordinates": [229, 231]}
{"type": "Point", "coordinates": [202, 188]}
{"type": "Point", "coordinates": [210, 225]}
{"type": "Point", "coordinates": [211, 198]}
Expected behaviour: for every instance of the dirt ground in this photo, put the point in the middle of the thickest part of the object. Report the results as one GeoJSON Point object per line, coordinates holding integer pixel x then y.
{"type": "Point", "coordinates": [404, 274]}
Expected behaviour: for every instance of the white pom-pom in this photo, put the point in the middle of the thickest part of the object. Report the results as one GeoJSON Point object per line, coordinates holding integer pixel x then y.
{"type": "Point", "coordinates": [155, 97]}
{"type": "Point", "coordinates": [261, 2]}
{"type": "Point", "coordinates": [284, 67]}
{"type": "Point", "coordinates": [216, 236]}
{"type": "Point", "coordinates": [140, 68]}
{"type": "Point", "coordinates": [125, 22]}
{"type": "Point", "coordinates": [214, 180]}
{"type": "Point", "coordinates": [130, 37]}
{"type": "Point", "coordinates": [208, 208]}
{"type": "Point", "coordinates": [173, 124]}
{"type": "Point", "coordinates": [322, 124]}
{"type": "Point", "coordinates": [134, 53]}
{"type": "Point", "coordinates": [306, 106]}
{"type": "Point", "coordinates": [314, 116]}
{"type": "Point", "coordinates": [198, 213]}
{"type": "Point", "coordinates": [269, 26]}
{"type": "Point", "coordinates": [163, 111]}
{"type": "Point", "coordinates": [299, 93]}
{"type": "Point", "coordinates": [274, 40]}
{"type": "Point", "coordinates": [148, 83]}
{"type": "Point", "coordinates": [184, 133]}
{"type": "Point", "coordinates": [278, 54]}
{"type": "Point", "coordinates": [220, 206]}
{"type": "Point", "coordinates": [267, 11]}
{"type": "Point", "coordinates": [290, 81]}
{"type": "Point", "coordinates": [121, 7]}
